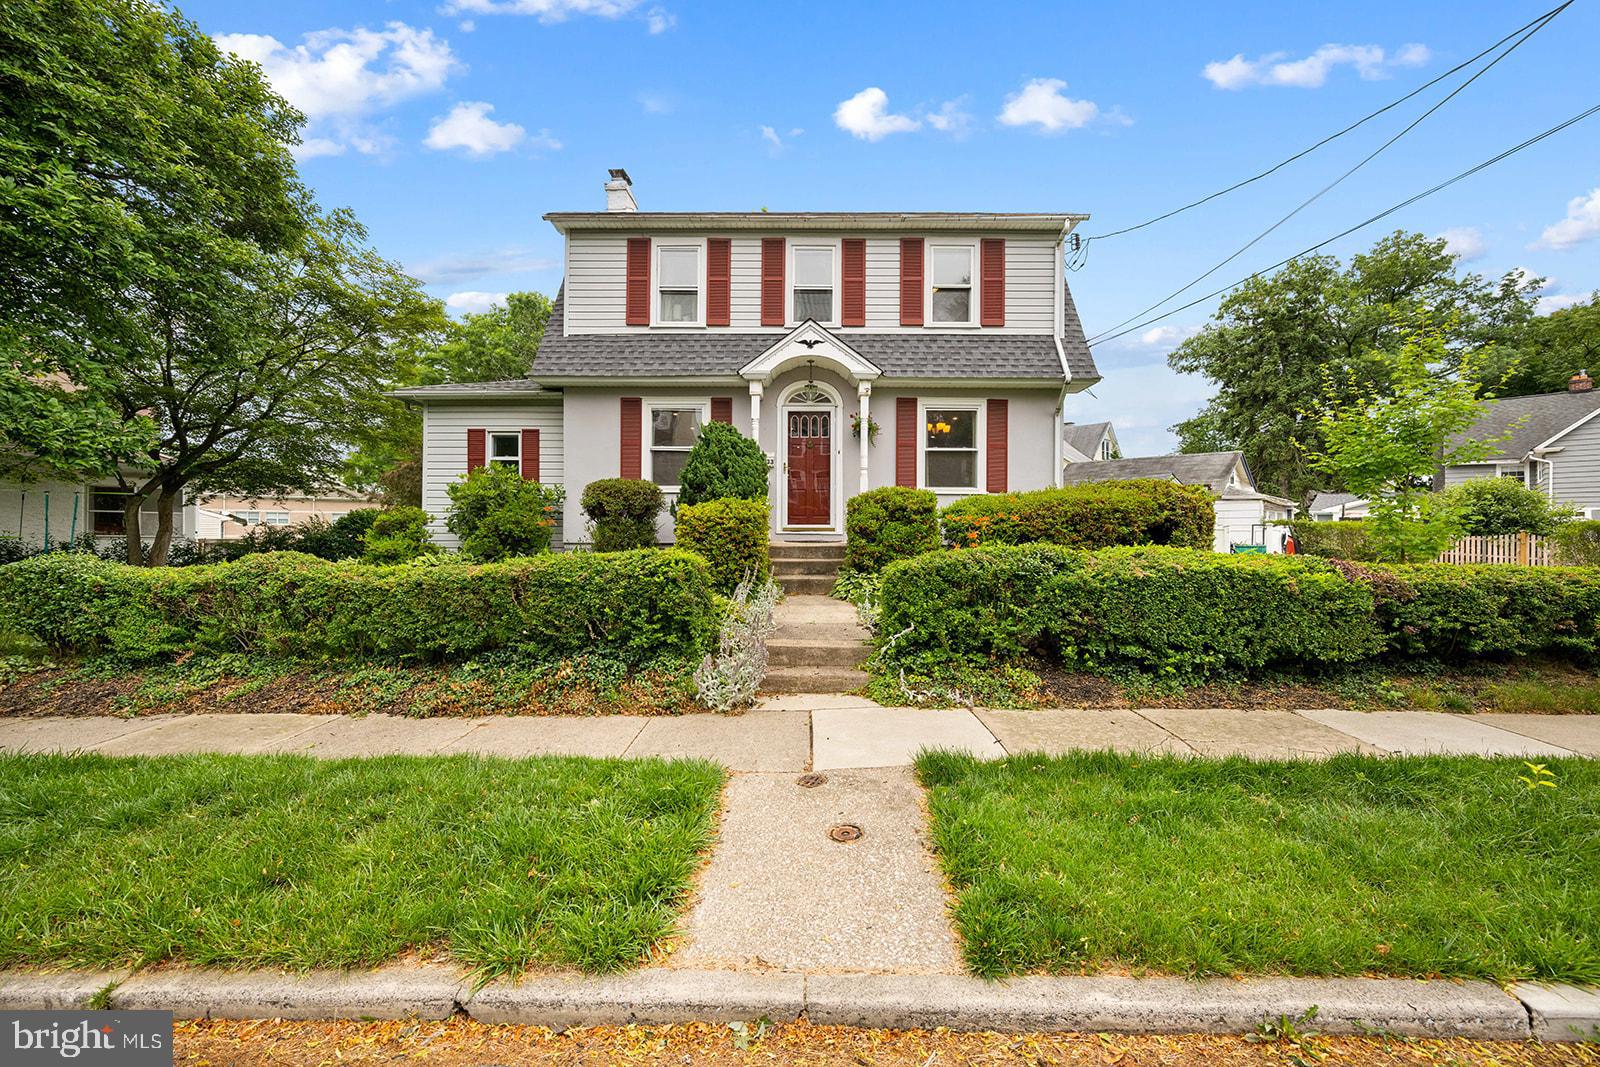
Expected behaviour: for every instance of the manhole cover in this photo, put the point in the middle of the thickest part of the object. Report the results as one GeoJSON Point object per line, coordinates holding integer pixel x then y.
{"type": "Point", "coordinates": [811, 781]}
{"type": "Point", "coordinates": [845, 833]}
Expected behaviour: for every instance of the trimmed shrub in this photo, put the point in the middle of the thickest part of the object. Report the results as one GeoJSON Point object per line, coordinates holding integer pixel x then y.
{"type": "Point", "coordinates": [723, 463]}
{"type": "Point", "coordinates": [731, 536]}
{"type": "Point", "coordinates": [397, 535]}
{"type": "Point", "coordinates": [343, 538]}
{"type": "Point", "coordinates": [635, 607]}
{"type": "Point", "coordinates": [1092, 515]}
{"type": "Point", "coordinates": [498, 514]}
{"type": "Point", "coordinates": [1176, 612]}
{"type": "Point", "coordinates": [886, 524]}
{"type": "Point", "coordinates": [1578, 543]}
{"type": "Point", "coordinates": [623, 511]}
{"type": "Point", "coordinates": [1343, 539]}
{"type": "Point", "coordinates": [1452, 611]}
{"type": "Point", "coordinates": [1493, 506]}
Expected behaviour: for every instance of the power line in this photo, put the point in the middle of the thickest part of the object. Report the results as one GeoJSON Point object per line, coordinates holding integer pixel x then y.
{"type": "Point", "coordinates": [1491, 161]}
{"type": "Point", "coordinates": [1539, 24]}
{"type": "Point", "coordinates": [1331, 137]}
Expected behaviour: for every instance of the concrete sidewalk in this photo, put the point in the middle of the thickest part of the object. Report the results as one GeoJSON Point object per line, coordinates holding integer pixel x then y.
{"type": "Point", "coordinates": [825, 732]}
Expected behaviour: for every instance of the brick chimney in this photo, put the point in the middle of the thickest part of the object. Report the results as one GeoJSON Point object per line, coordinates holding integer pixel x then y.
{"type": "Point", "coordinates": [1580, 382]}
{"type": "Point", "coordinates": [619, 191]}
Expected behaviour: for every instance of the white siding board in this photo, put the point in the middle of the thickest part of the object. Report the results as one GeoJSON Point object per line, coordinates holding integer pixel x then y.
{"type": "Point", "coordinates": [444, 449]}
{"type": "Point", "coordinates": [744, 283]}
{"type": "Point", "coordinates": [596, 284]}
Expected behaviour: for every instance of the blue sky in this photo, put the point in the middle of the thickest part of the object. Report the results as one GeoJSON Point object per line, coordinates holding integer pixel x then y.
{"type": "Point", "coordinates": [451, 127]}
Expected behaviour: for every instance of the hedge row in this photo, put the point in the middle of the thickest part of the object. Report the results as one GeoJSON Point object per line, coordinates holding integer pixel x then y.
{"type": "Point", "coordinates": [636, 606]}
{"type": "Point", "coordinates": [1094, 515]}
{"type": "Point", "coordinates": [1194, 614]}
{"type": "Point", "coordinates": [731, 536]}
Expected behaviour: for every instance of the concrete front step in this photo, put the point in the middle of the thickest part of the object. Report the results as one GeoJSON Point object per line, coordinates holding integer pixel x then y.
{"type": "Point", "coordinates": [806, 584]}
{"type": "Point", "coordinates": [814, 652]}
{"type": "Point", "coordinates": [813, 680]}
{"type": "Point", "coordinates": [794, 568]}
{"type": "Point", "coordinates": [798, 550]}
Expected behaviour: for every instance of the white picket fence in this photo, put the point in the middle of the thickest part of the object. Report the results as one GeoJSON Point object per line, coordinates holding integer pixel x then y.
{"type": "Point", "coordinates": [1520, 548]}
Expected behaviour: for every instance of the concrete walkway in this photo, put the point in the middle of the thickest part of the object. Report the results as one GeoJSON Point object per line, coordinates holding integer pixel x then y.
{"type": "Point", "coordinates": [791, 734]}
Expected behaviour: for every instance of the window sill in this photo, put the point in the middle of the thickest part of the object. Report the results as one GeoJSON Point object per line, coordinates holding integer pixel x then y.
{"type": "Point", "coordinates": [949, 491]}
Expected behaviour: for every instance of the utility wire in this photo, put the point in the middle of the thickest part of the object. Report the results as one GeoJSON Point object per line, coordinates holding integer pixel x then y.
{"type": "Point", "coordinates": [1331, 137]}
{"type": "Point", "coordinates": [1574, 120]}
{"type": "Point", "coordinates": [1539, 24]}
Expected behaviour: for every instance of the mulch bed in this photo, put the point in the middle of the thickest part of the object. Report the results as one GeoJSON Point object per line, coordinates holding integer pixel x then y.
{"type": "Point", "coordinates": [464, 1043]}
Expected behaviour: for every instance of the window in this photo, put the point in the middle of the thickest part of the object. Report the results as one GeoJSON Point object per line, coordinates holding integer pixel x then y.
{"type": "Point", "coordinates": [951, 278]}
{"type": "Point", "coordinates": [678, 267]}
{"type": "Point", "coordinates": [813, 284]}
{"type": "Point", "coordinates": [249, 518]}
{"type": "Point", "coordinates": [506, 450]}
{"type": "Point", "coordinates": [275, 518]}
{"type": "Point", "coordinates": [673, 431]}
{"type": "Point", "coordinates": [950, 448]}
{"type": "Point", "coordinates": [1520, 477]}
{"type": "Point", "coordinates": [105, 510]}
{"type": "Point", "coordinates": [1105, 448]}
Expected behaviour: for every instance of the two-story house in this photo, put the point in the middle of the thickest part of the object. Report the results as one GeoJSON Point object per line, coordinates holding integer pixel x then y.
{"type": "Point", "coordinates": [860, 349]}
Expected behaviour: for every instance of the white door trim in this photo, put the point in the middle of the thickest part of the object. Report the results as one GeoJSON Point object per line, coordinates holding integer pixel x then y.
{"type": "Point", "coordinates": [832, 409]}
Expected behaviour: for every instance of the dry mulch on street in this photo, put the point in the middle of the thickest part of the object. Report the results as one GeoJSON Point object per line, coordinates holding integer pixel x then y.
{"type": "Point", "coordinates": [464, 1043]}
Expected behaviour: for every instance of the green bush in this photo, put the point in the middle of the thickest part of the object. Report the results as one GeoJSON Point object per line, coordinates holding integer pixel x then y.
{"type": "Point", "coordinates": [1192, 615]}
{"type": "Point", "coordinates": [1344, 539]}
{"type": "Point", "coordinates": [1578, 543]}
{"type": "Point", "coordinates": [883, 525]}
{"type": "Point", "coordinates": [498, 514]}
{"type": "Point", "coordinates": [1092, 515]}
{"type": "Point", "coordinates": [397, 535]}
{"type": "Point", "coordinates": [623, 511]}
{"type": "Point", "coordinates": [730, 535]}
{"type": "Point", "coordinates": [636, 607]}
{"type": "Point", "coordinates": [343, 538]}
{"type": "Point", "coordinates": [1493, 506]}
{"type": "Point", "coordinates": [723, 463]}
{"type": "Point", "coordinates": [1177, 612]}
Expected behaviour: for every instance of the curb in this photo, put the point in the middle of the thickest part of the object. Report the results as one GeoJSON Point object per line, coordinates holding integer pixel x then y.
{"type": "Point", "coordinates": [658, 996]}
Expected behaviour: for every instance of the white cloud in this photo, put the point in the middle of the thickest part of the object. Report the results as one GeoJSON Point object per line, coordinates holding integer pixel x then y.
{"type": "Point", "coordinates": [1556, 302]}
{"type": "Point", "coordinates": [777, 142]}
{"type": "Point", "coordinates": [1581, 224]}
{"type": "Point", "coordinates": [1369, 61]}
{"type": "Point", "coordinates": [469, 127]}
{"type": "Point", "coordinates": [337, 77]}
{"type": "Point", "coordinates": [657, 103]}
{"type": "Point", "coordinates": [657, 19]}
{"type": "Point", "coordinates": [472, 302]}
{"type": "Point", "coordinates": [1465, 242]}
{"type": "Point", "coordinates": [1166, 336]}
{"type": "Point", "coordinates": [1041, 103]}
{"type": "Point", "coordinates": [952, 117]}
{"type": "Point", "coordinates": [866, 115]}
{"type": "Point", "coordinates": [456, 267]}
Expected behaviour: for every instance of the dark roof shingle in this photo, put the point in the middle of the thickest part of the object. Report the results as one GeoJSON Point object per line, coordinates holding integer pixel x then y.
{"type": "Point", "coordinates": [1541, 417]}
{"type": "Point", "coordinates": [1210, 469]}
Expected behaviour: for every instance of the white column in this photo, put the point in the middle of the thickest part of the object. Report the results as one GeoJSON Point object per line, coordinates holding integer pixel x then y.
{"type": "Point", "coordinates": [864, 397]}
{"type": "Point", "coordinates": [755, 412]}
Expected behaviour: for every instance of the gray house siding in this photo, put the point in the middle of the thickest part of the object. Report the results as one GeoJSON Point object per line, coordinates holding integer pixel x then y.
{"type": "Point", "coordinates": [1577, 466]}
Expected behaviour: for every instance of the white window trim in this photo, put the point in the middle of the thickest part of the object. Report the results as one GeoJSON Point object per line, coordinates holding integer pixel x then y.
{"type": "Point", "coordinates": [975, 315]}
{"type": "Point", "coordinates": [981, 407]}
{"type": "Point", "coordinates": [790, 276]}
{"type": "Point", "coordinates": [489, 458]}
{"type": "Point", "coordinates": [647, 450]}
{"type": "Point", "coordinates": [656, 247]}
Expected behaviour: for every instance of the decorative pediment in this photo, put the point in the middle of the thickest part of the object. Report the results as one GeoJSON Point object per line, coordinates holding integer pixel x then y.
{"type": "Point", "coordinates": [809, 342]}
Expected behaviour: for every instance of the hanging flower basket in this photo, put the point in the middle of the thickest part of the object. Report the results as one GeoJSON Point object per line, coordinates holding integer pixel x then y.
{"type": "Point", "coordinates": [872, 428]}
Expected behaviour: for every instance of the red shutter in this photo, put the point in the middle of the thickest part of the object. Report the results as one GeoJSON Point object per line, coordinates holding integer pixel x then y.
{"type": "Point", "coordinates": [530, 455]}
{"type": "Point", "coordinates": [632, 428]}
{"type": "Point", "coordinates": [853, 275]}
{"type": "Point", "coordinates": [638, 313]}
{"type": "Point", "coordinates": [994, 284]}
{"type": "Point", "coordinates": [719, 258]}
{"type": "Point", "coordinates": [772, 253]}
{"type": "Point", "coordinates": [477, 449]}
{"type": "Point", "coordinates": [911, 282]}
{"type": "Point", "coordinates": [996, 436]}
{"type": "Point", "coordinates": [905, 441]}
{"type": "Point", "coordinates": [722, 409]}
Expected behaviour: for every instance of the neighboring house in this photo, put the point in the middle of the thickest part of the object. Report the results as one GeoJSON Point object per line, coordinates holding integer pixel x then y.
{"type": "Point", "coordinates": [1550, 442]}
{"type": "Point", "coordinates": [1331, 507]}
{"type": "Point", "coordinates": [954, 333]}
{"type": "Point", "coordinates": [58, 512]}
{"type": "Point", "coordinates": [1087, 441]}
{"type": "Point", "coordinates": [1245, 516]}
{"type": "Point", "coordinates": [224, 518]}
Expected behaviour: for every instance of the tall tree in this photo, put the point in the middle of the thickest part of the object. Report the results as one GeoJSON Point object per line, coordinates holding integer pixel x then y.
{"type": "Point", "coordinates": [134, 157]}
{"type": "Point", "coordinates": [1548, 352]}
{"type": "Point", "coordinates": [1277, 339]}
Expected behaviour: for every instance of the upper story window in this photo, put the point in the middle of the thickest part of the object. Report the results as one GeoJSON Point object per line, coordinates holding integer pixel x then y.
{"type": "Point", "coordinates": [678, 291]}
{"type": "Point", "coordinates": [506, 450]}
{"type": "Point", "coordinates": [1105, 448]}
{"type": "Point", "coordinates": [950, 276]}
{"type": "Point", "coordinates": [813, 283]}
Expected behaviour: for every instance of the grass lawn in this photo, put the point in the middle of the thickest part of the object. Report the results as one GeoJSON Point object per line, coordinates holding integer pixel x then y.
{"type": "Point", "coordinates": [1419, 866]}
{"type": "Point", "coordinates": [293, 861]}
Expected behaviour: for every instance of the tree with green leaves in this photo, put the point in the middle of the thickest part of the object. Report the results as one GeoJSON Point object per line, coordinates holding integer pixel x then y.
{"type": "Point", "coordinates": [1548, 352]}
{"type": "Point", "coordinates": [1383, 437]}
{"type": "Point", "coordinates": [1280, 338]}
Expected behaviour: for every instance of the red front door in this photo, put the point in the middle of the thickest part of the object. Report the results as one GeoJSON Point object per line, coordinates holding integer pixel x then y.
{"type": "Point", "coordinates": [810, 468]}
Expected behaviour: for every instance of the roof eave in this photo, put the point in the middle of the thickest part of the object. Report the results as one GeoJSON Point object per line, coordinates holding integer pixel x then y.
{"type": "Point", "coordinates": [1055, 224]}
